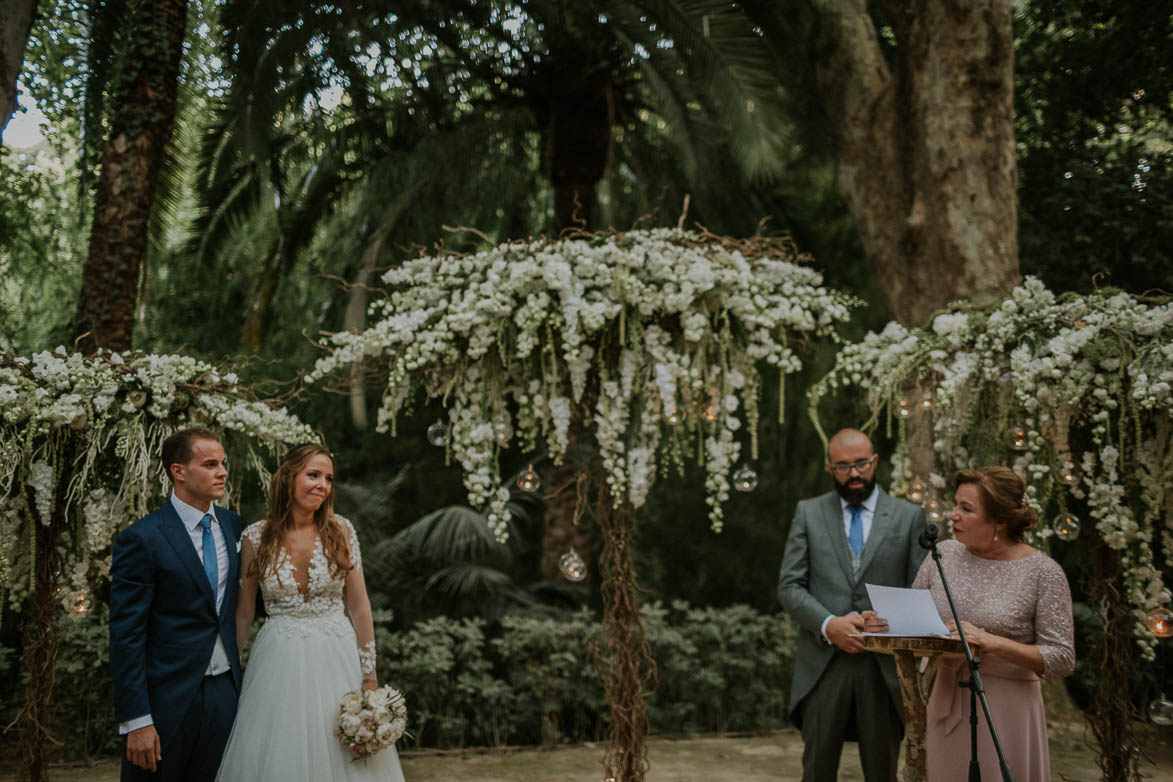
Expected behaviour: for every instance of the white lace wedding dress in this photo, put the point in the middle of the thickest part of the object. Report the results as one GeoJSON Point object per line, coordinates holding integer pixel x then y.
{"type": "Point", "coordinates": [303, 660]}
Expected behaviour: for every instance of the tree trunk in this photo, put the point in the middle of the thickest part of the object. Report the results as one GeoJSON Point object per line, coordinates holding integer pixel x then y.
{"type": "Point", "coordinates": [925, 144]}
{"type": "Point", "coordinates": [260, 313]}
{"type": "Point", "coordinates": [627, 667]}
{"type": "Point", "coordinates": [16, 23]}
{"type": "Point", "coordinates": [40, 633]}
{"type": "Point", "coordinates": [578, 139]}
{"type": "Point", "coordinates": [131, 159]}
{"type": "Point", "coordinates": [358, 298]}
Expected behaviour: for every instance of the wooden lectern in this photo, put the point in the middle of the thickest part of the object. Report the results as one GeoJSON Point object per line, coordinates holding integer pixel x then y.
{"type": "Point", "coordinates": [914, 687]}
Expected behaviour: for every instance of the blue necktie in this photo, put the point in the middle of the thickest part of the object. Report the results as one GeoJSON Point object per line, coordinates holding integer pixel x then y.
{"type": "Point", "coordinates": [855, 536]}
{"type": "Point", "coordinates": [209, 545]}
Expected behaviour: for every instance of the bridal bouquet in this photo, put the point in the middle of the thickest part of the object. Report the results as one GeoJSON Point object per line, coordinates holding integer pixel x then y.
{"type": "Point", "coordinates": [370, 720]}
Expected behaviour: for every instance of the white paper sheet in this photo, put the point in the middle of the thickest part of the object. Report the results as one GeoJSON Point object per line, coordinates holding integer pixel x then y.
{"type": "Point", "coordinates": [910, 612]}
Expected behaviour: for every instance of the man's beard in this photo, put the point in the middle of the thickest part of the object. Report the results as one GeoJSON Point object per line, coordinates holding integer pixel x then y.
{"type": "Point", "coordinates": [855, 496]}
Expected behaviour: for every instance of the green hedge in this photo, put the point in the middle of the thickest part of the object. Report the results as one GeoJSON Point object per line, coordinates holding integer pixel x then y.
{"type": "Point", "coordinates": [718, 670]}
{"type": "Point", "coordinates": [528, 681]}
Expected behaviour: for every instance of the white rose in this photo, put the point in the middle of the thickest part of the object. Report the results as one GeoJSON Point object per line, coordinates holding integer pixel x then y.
{"type": "Point", "coordinates": [349, 724]}
{"type": "Point", "coordinates": [363, 734]}
{"type": "Point", "coordinates": [385, 733]}
{"type": "Point", "coordinates": [352, 703]}
{"type": "Point", "coordinates": [377, 698]}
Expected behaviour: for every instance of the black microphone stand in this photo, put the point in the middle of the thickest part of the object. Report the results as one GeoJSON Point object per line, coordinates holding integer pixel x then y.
{"type": "Point", "coordinates": [928, 539]}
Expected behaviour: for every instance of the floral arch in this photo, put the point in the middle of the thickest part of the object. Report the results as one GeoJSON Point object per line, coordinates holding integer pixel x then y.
{"type": "Point", "coordinates": [1075, 393]}
{"type": "Point", "coordinates": [644, 349]}
{"type": "Point", "coordinates": [79, 460]}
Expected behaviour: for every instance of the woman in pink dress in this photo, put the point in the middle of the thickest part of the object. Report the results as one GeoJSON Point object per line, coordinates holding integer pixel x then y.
{"type": "Point", "coordinates": [1015, 607]}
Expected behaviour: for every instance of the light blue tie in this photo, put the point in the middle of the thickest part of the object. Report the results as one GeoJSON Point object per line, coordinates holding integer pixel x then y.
{"type": "Point", "coordinates": [855, 535]}
{"type": "Point", "coordinates": [209, 545]}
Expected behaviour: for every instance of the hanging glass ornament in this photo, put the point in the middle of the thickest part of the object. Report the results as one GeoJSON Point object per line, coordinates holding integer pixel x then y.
{"type": "Point", "coordinates": [1018, 439]}
{"type": "Point", "coordinates": [1067, 472]}
{"type": "Point", "coordinates": [572, 566]}
{"type": "Point", "coordinates": [711, 411]}
{"type": "Point", "coordinates": [1066, 527]}
{"type": "Point", "coordinates": [676, 416]}
{"type": "Point", "coordinates": [1161, 710]}
{"type": "Point", "coordinates": [925, 403]}
{"type": "Point", "coordinates": [80, 604]}
{"type": "Point", "coordinates": [903, 408]}
{"type": "Point", "coordinates": [745, 479]}
{"type": "Point", "coordinates": [933, 510]}
{"type": "Point", "coordinates": [529, 480]}
{"type": "Point", "coordinates": [1160, 621]}
{"type": "Point", "coordinates": [437, 433]}
{"type": "Point", "coordinates": [917, 490]}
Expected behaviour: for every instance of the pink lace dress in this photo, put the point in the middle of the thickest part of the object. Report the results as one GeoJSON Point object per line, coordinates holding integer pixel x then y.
{"type": "Point", "coordinates": [1027, 600]}
{"type": "Point", "coordinates": [304, 659]}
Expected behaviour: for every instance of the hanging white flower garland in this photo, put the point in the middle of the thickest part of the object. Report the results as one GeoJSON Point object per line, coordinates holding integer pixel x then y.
{"type": "Point", "coordinates": [1009, 384]}
{"type": "Point", "coordinates": [110, 414]}
{"type": "Point", "coordinates": [649, 342]}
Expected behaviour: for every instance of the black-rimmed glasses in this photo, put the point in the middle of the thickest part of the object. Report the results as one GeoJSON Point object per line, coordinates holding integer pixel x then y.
{"type": "Point", "coordinates": [843, 468]}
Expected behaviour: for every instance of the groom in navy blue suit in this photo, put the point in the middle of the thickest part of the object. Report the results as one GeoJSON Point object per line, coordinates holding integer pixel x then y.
{"type": "Point", "coordinates": [173, 653]}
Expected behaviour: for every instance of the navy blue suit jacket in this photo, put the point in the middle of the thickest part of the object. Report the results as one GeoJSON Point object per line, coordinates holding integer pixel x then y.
{"type": "Point", "coordinates": [163, 621]}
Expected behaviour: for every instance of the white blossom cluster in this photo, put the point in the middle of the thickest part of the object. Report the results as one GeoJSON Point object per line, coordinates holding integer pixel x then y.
{"type": "Point", "coordinates": [1102, 363]}
{"type": "Point", "coordinates": [86, 432]}
{"type": "Point", "coordinates": [629, 337]}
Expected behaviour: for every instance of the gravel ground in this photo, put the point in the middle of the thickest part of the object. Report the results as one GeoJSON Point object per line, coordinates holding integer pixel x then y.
{"type": "Point", "coordinates": [769, 758]}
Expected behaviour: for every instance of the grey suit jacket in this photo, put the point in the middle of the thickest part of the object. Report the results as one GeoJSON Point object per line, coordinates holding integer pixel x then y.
{"type": "Point", "coordinates": [815, 580]}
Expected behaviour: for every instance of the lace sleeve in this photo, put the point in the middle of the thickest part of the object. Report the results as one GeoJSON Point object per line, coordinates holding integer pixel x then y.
{"type": "Point", "coordinates": [359, 605]}
{"type": "Point", "coordinates": [351, 542]}
{"type": "Point", "coordinates": [253, 533]}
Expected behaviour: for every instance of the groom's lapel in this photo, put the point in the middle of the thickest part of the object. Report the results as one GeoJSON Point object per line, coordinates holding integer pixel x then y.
{"type": "Point", "coordinates": [176, 534]}
{"type": "Point", "coordinates": [881, 526]}
{"type": "Point", "coordinates": [833, 524]}
{"type": "Point", "coordinates": [231, 541]}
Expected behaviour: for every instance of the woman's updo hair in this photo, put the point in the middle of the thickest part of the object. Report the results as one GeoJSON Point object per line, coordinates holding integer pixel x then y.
{"type": "Point", "coordinates": [1003, 498]}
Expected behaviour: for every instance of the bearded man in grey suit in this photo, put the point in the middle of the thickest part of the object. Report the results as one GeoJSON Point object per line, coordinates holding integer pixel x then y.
{"type": "Point", "coordinates": [852, 536]}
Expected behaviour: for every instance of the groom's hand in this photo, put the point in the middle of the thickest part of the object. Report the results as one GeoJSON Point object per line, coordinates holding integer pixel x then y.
{"type": "Point", "coordinates": [844, 632]}
{"type": "Point", "coordinates": [142, 748]}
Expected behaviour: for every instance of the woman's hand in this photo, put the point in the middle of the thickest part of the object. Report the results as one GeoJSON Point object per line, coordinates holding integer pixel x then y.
{"type": "Point", "coordinates": [976, 636]}
{"type": "Point", "coordinates": [370, 684]}
{"type": "Point", "coordinates": [873, 623]}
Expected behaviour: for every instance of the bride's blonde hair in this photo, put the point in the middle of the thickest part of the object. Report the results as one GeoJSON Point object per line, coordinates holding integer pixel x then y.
{"type": "Point", "coordinates": [279, 518]}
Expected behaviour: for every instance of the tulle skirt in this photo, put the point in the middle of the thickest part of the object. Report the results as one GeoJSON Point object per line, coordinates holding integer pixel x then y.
{"type": "Point", "coordinates": [297, 673]}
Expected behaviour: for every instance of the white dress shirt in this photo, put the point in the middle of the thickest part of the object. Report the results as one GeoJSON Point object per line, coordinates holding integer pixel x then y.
{"type": "Point", "coordinates": [191, 518]}
{"type": "Point", "coordinates": [866, 514]}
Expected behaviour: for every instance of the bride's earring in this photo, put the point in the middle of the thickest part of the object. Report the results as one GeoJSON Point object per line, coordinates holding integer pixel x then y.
{"type": "Point", "coordinates": [995, 533]}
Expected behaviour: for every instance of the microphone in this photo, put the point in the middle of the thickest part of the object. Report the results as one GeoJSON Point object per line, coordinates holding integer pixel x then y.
{"type": "Point", "coordinates": [928, 538]}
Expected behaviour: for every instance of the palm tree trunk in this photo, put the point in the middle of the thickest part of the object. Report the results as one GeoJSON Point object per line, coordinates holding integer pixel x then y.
{"type": "Point", "coordinates": [578, 139]}
{"type": "Point", "coordinates": [131, 159]}
{"type": "Point", "coordinates": [16, 23]}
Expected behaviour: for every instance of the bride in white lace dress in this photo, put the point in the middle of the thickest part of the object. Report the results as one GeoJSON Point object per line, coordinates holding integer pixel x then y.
{"type": "Point", "coordinates": [308, 654]}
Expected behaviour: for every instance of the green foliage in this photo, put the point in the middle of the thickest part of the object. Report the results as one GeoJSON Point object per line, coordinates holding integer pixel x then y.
{"type": "Point", "coordinates": [720, 669]}
{"type": "Point", "coordinates": [84, 689]}
{"type": "Point", "coordinates": [42, 246]}
{"type": "Point", "coordinates": [1094, 123]}
{"type": "Point", "coordinates": [549, 664]}
{"type": "Point", "coordinates": [532, 680]}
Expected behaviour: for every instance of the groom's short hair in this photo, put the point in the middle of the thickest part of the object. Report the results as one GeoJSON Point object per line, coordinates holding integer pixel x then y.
{"type": "Point", "coordinates": [177, 447]}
